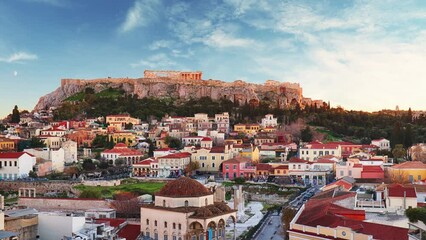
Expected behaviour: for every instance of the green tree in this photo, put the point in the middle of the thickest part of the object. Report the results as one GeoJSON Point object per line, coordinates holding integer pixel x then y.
{"type": "Point", "coordinates": [306, 134]}
{"type": "Point", "coordinates": [33, 142]}
{"type": "Point", "coordinates": [397, 134]}
{"type": "Point", "coordinates": [16, 118]}
{"type": "Point", "coordinates": [90, 193]}
{"type": "Point", "coordinates": [287, 216]}
{"type": "Point", "coordinates": [399, 152]}
{"type": "Point", "coordinates": [88, 165]}
{"type": "Point", "coordinates": [416, 214]}
{"type": "Point", "coordinates": [408, 136]}
{"type": "Point", "coordinates": [119, 162]}
{"type": "Point", "coordinates": [173, 142]}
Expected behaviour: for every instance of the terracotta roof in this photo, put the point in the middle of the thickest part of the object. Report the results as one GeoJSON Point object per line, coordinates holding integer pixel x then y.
{"type": "Point", "coordinates": [296, 160]}
{"type": "Point", "coordinates": [130, 231]}
{"type": "Point", "coordinates": [13, 155]}
{"type": "Point", "coordinates": [398, 190]}
{"type": "Point", "coordinates": [263, 166]}
{"type": "Point", "coordinates": [206, 139]}
{"type": "Point", "coordinates": [357, 165]}
{"type": "Point", "coordinates": [372, 169]}
{"type": "Point", "coordinates": [410, 165]}
{"type": "Point", "coordinates": [341, 182]}
{"type": "Point", "coordinates": [217, 150]}
{"type": "Point", "coordinates": [325, 161]}
{"type": "Point", "coordinates": [323, 146]}
{"type": "Point", "coordinates": [123, 150]}
{"type": "Point", "coordinates": [183, 187]}
{"type": "Point", "coordinates": [177, 155]}
{"type": "Point", "coordinates": [237, 159]}
{"type": "Point", "coordinates": [282, 167]}
{"type": "Point", "coordinates": [113, 222]}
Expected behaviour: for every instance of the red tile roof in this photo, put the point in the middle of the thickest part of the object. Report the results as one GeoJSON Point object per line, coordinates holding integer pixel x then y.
{"type": "Point", "coordinates": [237, 159]}
{"type": "Point", "coordinates": [113, 222]}
{"type": "Point", "coordinates": [282, 167]}
{"type": "Point", "coordinates": [217, 150]}
{"type": "Point", "coordinates": [398, 190]}
{"type": "Point", "coordinates": [123, 150]}
{"type": "Point", "coordinates": [323, 146]}
{"type": "Point", "coordinates": [7, 155]}
{"type": "Point", "coordinates": [372, 169]}
{"type": "Point", "coordinates": [357, 165]}
{"type": "Point", "coordinates": [130, 231]}
{"type": "Point", "coordinates": [263, 167]}
{"type": "Point", "coordinates": [206, 139]}
{"type": "Point", "coordinates": [410, 165]}
{"type": "Point", "coordinates": [184, 187]}
{"type": "Point", "coordinates": [177, 155]}
{"type": "Point", "coordinates": [342, 183]}
{"type": "Point", "coordinates": [297, 160]}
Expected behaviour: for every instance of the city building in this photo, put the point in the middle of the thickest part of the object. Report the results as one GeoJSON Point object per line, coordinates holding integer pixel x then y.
{"type": "Point", "coordinates": [173, 164]}
{"type": "Point", "coordinates": [15, 165]}
{"type": "Point", "coordinates": [410, 171]}
{"type": "Point", "coordinates": [269, 121]}
{"type": "Point", "coordinates": [121, 151]}
{"type": "Point", "coordinates": [185, 209]}
{"type": "Point", "coordinates": [382, 143]}
{"type": "Point", "coordinates": [120, 121]}
{"type": "Point", "coordinates": [313, 151]}
{"type": "Point", "coordinates": [238, 167]}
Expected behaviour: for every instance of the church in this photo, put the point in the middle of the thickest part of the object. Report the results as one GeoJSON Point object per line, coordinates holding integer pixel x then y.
{"type": "Point", "coordinates": [185, 210]}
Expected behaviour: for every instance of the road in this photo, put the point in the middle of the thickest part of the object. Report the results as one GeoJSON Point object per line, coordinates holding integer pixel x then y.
{"type": "Point", "coordinates": [272, 230]}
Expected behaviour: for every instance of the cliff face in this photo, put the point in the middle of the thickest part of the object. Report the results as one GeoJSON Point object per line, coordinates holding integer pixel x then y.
{"type": "Point", "coordinates": [279, 93]}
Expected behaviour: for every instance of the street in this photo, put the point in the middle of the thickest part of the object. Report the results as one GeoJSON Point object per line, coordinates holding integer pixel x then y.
{"type": "Point", "coordinates": [272, 230]}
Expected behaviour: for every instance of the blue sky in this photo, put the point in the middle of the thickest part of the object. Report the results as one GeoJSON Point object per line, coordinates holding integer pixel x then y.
{"type": "Point", "coordinates": [358, 54]}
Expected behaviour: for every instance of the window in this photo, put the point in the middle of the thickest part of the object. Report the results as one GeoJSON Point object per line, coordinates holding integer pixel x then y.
{"type": "Point", "coordinates": [164, 203]}
{"type": "Point", "coordinates": [411, 178]}
{"type": "Point", "coordinates": [165, 224]}
{"type": "Point", "coordinates": [179, 226]}
{"type": "Point", "coordinates": [213, 165]}
{"type": "Point", "coordinates": [298, 166]}
{"type": "Point", "coordinates": [278, 171]}
{"type": "Point", "coordinates": [174, 225]}
{"type": "Point", "coordinates": [147, 222]}
{"type": "Point", "coordinates": [155, 223]}
{"type": "Point", "coordinates": [186, 203]}
{"type": "Point", "coordinates": [16, 163]}
{"type": "Point", "coordinates": [213, 158]}
{"type": "Point", "coordinates": [235, 175]}
{"type": "Point", "coordinates": [350, 173]}
{"type": "Point", "coordinates": [202, 165]}
{"type": "Point", "coordinates": [227, 175]}
{"type": "Point", "coordinates": [303, 152]}
{"type": "Point", "coordinates": [226, 166]}
{"type": "Point", "coordinates": [235, 166]}
{"type": "Point", "coordinates": [315, 152]}
{"type": "Point", "coordinates": [341, 172]}
{"type": "Point", "coordinates": [222, 158]}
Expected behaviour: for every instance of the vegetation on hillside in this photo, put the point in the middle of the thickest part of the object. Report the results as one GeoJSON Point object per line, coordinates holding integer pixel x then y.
{"type": "Point", "coordinates": [357, 126]}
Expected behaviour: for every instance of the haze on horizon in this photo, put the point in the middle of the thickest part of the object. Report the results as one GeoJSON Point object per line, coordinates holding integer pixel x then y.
{"type": "Point", "coordinates": [362, 55]}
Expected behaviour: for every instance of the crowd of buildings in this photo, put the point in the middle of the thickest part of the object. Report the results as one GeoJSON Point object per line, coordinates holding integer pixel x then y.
{"type": "Point", "coordinates": [256, 151]}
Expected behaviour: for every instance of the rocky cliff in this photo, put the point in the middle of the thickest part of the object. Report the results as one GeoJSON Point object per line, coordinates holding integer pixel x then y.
{"type": "Point", "coordinates": [279, 93]}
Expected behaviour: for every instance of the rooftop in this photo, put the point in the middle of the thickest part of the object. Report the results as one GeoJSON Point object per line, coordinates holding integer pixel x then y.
{"type": "Point", "coordinates": [183, 187]}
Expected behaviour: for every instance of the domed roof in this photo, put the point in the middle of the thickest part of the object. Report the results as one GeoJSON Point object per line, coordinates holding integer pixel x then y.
{"type": "Point", "coordinates": [183, 187]}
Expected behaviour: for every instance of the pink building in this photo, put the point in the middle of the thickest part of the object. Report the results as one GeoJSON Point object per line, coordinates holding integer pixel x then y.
{"type": "Point", "coordinates": [350, 169]}
{"type": "Point", "coordinates": [238, 167]}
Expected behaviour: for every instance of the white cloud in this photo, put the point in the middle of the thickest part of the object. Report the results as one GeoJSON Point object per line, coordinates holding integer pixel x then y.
{"type": "Point", "coordinates": [19, 57]}
{"type": "Point", "coordinates": [15, 73]}
{"type": "Point", "coordinates": [140, 14]}
{"type": "Point", "coordinates": [221, 39]}
{"type": "Point", "coordinates": [157, 61]}
{"type": "Point", "coordinates": [161, 44]}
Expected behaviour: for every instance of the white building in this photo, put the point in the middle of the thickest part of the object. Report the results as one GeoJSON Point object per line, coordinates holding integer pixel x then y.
{"type": "Point", "coordinates": [269, 121]}
{"type": "Point", "coordinates": [70, 151]}
{"type": "Point", "coordinates": [222, 121]}
{"type": "Point", "coordinates": [57, 156]}
{"type": "Point", "coordinates": [192, 140]}
{"type": "Point", "coordinates": [314, 151]}
{"type": "Point", "coordinates": [382, 143]}
{"type": "Point", "coordinates": [173, 164]}
{"type": "Point", "coordinates": [57, 225]}
{"type": "Point", "coordinates": [14, 165]}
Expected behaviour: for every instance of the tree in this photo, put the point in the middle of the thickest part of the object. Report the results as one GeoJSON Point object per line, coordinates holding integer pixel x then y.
{"type": "Point", "coordinates": [88, 165]}
{"type": "Point", "coordinates": [90, 193]}
{"type": "Point", "coordinates": [128, 126]}
{"type": "Point", "coordinates": [286, 218]}
{"type": "Point", "coordinates": [408, 136]}
{"type": "Point", "coordinates": [173, 142]}
{"type": "Point", "coordinates": [399, 152]}
{"type": "Point", "coordinates": [416, 214]}
{"type": "Point", "coordinates": [34, 142]}
{"type": "Point", "coordinates": [151, 147]}
{"type": "Point", "coordinates": [119, 162]}
{"type": "Point", "coordinates": [126, 204]}
{"type": "Point", "coordinates": [16, 118]}
{"type": "Point", "coordinates": [397, 135]}
{"type": "Point", "coordinates": [191, 167]}
{"type": "Point", "coordinates": [398, 176]}
{"type": "Point", "coordinates": [306, 134]}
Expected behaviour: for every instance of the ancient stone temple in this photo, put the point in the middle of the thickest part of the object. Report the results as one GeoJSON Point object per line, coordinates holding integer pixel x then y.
{"type": "Point", "coordinates": [176, 75]}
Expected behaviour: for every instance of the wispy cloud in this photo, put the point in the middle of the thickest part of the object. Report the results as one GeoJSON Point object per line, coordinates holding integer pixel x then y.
{"type": "Point", "coordinates": [161, 44]}
{"type": "Point", "coordinates": [140, 14]}
{"type": "Point", "coordinates": [221, 39]}
{"type": "Point", "coordinates": [19, 57]}
{"type": "Point", "coordinates": [56, 3]}
{"type": "Point", "coordinates": [157, 61]}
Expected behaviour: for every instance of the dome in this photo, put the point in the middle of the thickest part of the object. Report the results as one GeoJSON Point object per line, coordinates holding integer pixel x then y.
{"type": "Point", "coordinates": [183, 187]}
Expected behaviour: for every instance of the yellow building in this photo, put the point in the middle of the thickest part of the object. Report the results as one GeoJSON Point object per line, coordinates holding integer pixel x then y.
{"type": "Point", "coordinates": [247, 128]}
{"type": "Point", "coordinates": [410, 171]}
{"type": "Point", "coordinates": [125, 137]}
{"type": "Point", "coordinates": [251, 152]}
{"type": "Point", "coordinates": [210, 159]}
{"type": "Point", "coordinates": [119, 121]}
{"type": "Point", "coordinates": [6, 145]}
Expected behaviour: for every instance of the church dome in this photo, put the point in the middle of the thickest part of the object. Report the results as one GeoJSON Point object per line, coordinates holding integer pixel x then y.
{"type": "Point", "coordinates": [183, 187]}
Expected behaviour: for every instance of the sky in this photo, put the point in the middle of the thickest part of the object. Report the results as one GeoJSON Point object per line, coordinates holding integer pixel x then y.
{"type": "Point", "coordinates": [361, 55]}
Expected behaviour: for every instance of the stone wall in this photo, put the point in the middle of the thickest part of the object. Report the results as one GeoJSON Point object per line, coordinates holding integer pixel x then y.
{"type": "Point", "coordinates": [41, 187]}
{"type": "Point", "coordinates": [63, 204]}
